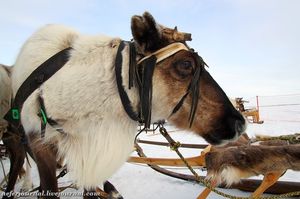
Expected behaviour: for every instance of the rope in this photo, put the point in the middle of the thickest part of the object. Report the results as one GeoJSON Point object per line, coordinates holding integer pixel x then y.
{"type": "Point", "coordinates": [274, 105]}
{"type": "Point", "coordinates": [291, 139]}
{"type": "Point", "coordinates": [279, 120]}
{"type": "Point", "coordinates": [174, 146]}
{"type": "Point", "coordinates": [282, 95]}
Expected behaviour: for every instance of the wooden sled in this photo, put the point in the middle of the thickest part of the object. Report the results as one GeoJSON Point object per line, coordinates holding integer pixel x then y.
{"type": "Point", "coordinates": [192, 161]}
{"type": "Point", "coordinates": [254, 115]}
{"type": "Point", "coordinates": [251, 114]}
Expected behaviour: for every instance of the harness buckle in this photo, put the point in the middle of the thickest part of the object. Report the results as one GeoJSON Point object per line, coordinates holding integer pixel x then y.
{"type": "Point", "coordinates": [15, 114]}
{"type": "Point", "coordinates": [43, 116]}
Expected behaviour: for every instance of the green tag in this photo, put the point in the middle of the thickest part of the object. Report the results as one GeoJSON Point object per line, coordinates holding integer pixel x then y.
{"type": "Point", "coordinates": [44, 117]}
{"type": "Point", "coordinates": [15, 114]}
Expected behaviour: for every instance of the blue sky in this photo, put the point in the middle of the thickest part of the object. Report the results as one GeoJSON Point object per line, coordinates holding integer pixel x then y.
{"type": "Point", "coordinates": [251, 46]}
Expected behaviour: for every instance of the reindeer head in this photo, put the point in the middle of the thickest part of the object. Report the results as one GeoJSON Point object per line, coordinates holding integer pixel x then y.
{"type": "Point", "coordinates": [183, 91]}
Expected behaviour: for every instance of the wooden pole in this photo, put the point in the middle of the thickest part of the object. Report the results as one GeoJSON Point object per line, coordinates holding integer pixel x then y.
{"type": "Point", "coordinates": [193, 161]}
{"type": "Point", "coordinates": [280, 187]}
{"type": "Point", "coordinates": [257, 104]}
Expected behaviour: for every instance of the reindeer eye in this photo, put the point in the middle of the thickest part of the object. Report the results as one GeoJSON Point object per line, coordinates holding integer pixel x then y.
{"type": "Point", "coordinates": [186, 64]}
{"type": "Point", "coordinates": [183, 68]}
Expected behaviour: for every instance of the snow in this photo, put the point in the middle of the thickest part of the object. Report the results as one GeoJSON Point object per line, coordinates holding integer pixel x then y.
{"type": "Point", "coordinates": [136, 181]}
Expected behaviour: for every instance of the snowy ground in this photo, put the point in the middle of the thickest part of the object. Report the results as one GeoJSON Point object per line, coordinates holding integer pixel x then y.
{"type": "Point", "coordinates": [141, 182]}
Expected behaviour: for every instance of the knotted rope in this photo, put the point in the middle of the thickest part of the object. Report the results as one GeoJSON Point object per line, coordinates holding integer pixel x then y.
{"type": "Point", "coordinates": [291, 139]}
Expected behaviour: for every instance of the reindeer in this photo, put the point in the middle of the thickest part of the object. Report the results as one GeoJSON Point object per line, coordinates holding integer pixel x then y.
{"type": "Point", "coordinates": [5, 96]}
{"type": "Point", "coordinates": [9, 136]}
{"type": "Point", "coordinates": [106, 87]}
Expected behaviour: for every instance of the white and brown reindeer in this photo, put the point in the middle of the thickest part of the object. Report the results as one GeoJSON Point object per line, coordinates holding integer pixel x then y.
{"type": "Point", "coordinates": [86, 97]}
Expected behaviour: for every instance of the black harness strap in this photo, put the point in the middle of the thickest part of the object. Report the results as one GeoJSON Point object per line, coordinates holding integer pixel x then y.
{"type": "Point", "coordinates": [34, 81]}
{"type": "Point", "coordinates": [45, 119]}
{"type": "Point", "coordinates": [140, 75]}
{"type": "Point", "coordinates": [132, 66]}
{"type": "Point", "coordinates": [147, 66]}
{"type": "Point", "coordinates": [193, 89]}
{"type": "Point", "coordinates": [122, 93]}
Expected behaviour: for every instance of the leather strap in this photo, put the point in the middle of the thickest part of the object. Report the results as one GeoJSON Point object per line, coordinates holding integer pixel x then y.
{"type": "Point", "coordinates": [34, 81]}
{"type": "Point", "coordinates": [122, 93]}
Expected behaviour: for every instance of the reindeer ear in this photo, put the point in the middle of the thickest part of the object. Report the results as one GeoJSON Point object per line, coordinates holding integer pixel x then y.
{"type": "Point", "coordinates": [146, 32]}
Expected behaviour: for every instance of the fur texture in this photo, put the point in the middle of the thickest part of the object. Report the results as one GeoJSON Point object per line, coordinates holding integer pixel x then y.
{"type": "Point", "coordinates": [231, 164]}
{"type": "Point", "coordinates": [100, 138]}
{"type": "Point", "coordinates": [230, 175]}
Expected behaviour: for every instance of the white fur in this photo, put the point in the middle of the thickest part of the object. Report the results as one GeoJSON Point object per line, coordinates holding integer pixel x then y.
{"type": "Point", "coordinates": [83, 97]}
{"type": "Point", "coordinates": [228, 175]}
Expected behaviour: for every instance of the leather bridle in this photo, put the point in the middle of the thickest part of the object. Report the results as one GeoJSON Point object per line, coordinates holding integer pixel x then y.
{"type": "Point", "coordinates": [141, 73]}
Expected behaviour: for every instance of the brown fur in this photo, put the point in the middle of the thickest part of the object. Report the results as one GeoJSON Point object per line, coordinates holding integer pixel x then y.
{"type": "Point", "coordinates": [271, 159]}
{"type": "Point", "coordinates": [274, 143]}
{"type": "Point", "coordinates": [12, 141]}
{"type": "Point", "coordinates": [46, 166]}
{"type": "Point", "coordinates": [152, 36]}
{"type": "Point", "coordinates": [255, 159]}
{"type": "Point", "coordinates": [212, 118]}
